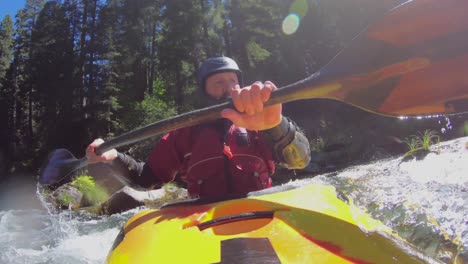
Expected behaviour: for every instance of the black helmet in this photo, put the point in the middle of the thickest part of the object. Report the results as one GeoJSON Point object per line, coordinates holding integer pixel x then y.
{"type": "Point", "coordinates": [216, 65]}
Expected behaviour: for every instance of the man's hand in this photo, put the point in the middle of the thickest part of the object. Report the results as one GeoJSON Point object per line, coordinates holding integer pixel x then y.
{"type": "Point", "coordinates": [107, 156]}
{"type": "Point", "coordinates": [249, 102]}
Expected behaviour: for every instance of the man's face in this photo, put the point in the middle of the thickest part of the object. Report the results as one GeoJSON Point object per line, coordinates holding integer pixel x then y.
{"type": "Point", "coordinates": [219, 85]}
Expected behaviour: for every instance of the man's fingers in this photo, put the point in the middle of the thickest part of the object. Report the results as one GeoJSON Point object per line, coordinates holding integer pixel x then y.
{"type": "Point", "coordinates": [268, 87]}
{"type": "Point", "coordinates": [97, 142]}
{"type": "Point", "coordinates": [247, 101]}
{"type": "Point", "coordinates": [107, 156]}
{"type": "Point", "coordinates": [256, 97]}
{"type": "Point", "coordinates": [235, 94]}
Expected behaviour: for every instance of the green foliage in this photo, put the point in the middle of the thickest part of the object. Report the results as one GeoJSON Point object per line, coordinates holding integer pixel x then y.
{"type": "Point", "coordinates": [465, 128]}
{"type": "Point", "coordinates": [413, 143]}
{"type": "Point", "coordinates": [256, 36]}
{"type": "Point", "coordinates": [429, 138]}
{"type": "Point", "coordinates": [64, 200]}
{"type": "Point", "coordinates": [178, 47]}
{"type": "Point", "coordinates": [6, 56]}
{"type": "Point", "coordinates": [158, 89]}
{"type": "Point", "coordinates": [92, 193]}
{"type": "Point", "coordinates": [6, 45]}
{"type": "Point", "coordinates": [257, 53]}
{"type": "Point", "coordinates": [150, 110]}
{"type": "Point", "coordinates": [421, 143]}
{"type": "Point", "coordinates": [84, 183]}
{"type": "Point", "coordinates": [317, 144]}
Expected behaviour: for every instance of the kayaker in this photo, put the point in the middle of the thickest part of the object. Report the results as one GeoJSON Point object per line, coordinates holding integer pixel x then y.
{"type": "Point", "coordinates": [233, 155]}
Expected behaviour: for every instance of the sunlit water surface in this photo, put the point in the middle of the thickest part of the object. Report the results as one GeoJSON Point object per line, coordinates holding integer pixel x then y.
{"type": "Point", "coordinates": [425, 201]}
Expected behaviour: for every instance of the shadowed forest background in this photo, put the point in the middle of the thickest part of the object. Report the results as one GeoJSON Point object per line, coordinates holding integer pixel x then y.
{"type": "Point", "coordinates": [75, 70]}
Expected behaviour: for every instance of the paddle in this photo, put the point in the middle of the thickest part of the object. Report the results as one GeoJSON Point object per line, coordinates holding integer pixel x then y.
{"type": "Point", "coordinates": [413, 61]}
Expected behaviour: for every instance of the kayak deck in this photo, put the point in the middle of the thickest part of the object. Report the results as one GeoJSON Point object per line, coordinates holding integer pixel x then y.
{"type": "Point", "coordinates": [304, 225]}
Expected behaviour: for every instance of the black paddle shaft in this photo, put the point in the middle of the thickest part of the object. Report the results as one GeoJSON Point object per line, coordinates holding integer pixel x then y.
{"type": "Point", "coordinates": [199, 116]}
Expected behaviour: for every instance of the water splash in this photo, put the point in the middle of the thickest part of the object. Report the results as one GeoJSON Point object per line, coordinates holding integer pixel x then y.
{"type": "Point", "coordinates": [35, 236]}
{"type": "Point", "coordinates": [423, 200]}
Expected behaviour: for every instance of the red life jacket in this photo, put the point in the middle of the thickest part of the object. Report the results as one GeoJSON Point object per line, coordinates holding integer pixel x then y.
{"type": "Point", "coordinates": [213, 162]}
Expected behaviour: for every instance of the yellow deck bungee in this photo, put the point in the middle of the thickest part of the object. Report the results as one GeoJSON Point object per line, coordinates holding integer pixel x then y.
{"type": "Point", "coordinates": [304, 225]}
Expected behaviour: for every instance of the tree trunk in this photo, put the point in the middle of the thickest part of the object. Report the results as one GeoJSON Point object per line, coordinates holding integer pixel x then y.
{"type": "Point", "coordinates": [82, 59]}
{"type": "Point", "coordinates": [152, 59]}
{"type": "Point", "coordinates": [91, 82]}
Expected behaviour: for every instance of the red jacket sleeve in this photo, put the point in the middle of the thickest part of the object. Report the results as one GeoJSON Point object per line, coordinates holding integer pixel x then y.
{"type": "Point", "coordinates": [167, 157]}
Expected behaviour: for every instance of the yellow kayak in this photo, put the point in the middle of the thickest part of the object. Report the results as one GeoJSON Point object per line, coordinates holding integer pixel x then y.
{"type": "Point", "coordinates": [309, 224]}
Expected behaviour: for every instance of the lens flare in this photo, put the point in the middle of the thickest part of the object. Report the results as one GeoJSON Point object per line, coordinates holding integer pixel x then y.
{"type": "Point", "coordinates": [297, 11]}
{"type": "Point", "coordinates": [291, 24]}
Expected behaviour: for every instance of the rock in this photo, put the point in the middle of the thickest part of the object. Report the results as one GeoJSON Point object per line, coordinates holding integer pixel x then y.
{"type": "Point", "coordinates": [128, 198]}
{"type": "Point", "coordinates": [66, 196]}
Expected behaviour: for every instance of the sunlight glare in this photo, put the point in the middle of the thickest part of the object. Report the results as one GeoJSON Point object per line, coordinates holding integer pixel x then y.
{"type": "Point", "coordinates": [291, 24]}
{"type": "Point", "coordinates": [297, 11]}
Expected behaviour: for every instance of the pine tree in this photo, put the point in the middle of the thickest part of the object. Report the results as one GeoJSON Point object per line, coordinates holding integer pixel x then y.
{"type": "Point", "coordinates": [52, 64]}
{"type": "Point", "coordinates": [255, 31]}
{"type": "Point", "coordinates": [6, 56]}
{"type": "Point", "coordinates": [180, 35]}
{"type": "Point", "coordinates": [6, 46]}
{"type": "Point", "coordinates": [17, 83]}
{"type": "Point", "coordinates": [213, 21]}
{"type": "Point", "coordinates": [107, 98]}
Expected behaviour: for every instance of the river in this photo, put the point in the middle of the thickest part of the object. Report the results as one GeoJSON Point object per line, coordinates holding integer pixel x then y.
{"type": "Point", "coordinates": [425, 201]}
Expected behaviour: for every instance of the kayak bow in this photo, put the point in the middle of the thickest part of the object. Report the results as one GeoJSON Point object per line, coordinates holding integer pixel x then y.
{"type": "Point", "coordinates": [304, 225]}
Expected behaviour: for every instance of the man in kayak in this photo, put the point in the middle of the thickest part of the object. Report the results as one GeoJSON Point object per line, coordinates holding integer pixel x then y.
{"type": "Point", "coordinates": [233, 155]}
